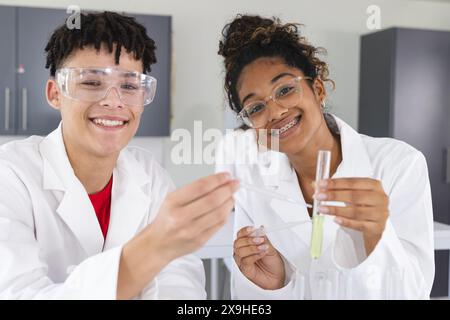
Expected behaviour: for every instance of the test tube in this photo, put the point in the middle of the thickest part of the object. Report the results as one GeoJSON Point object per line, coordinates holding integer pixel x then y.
{"type": "Point", "coordinates": [322, 172]}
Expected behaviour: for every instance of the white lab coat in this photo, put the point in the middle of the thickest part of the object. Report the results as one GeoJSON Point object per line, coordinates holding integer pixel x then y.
{"type": "Point", "coordinates": [51, 244]}
{"type": "Point", "coordinates": [403, 258]}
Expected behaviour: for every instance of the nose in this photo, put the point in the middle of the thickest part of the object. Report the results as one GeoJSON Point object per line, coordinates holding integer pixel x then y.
{"type": "Point", "coordinates": [276, 111]}
{"type": "Point", "coordinates": [112, 98]}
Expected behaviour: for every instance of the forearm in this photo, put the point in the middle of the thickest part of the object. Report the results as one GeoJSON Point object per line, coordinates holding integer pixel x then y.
{"type": "Point", "coordinates": [140, 262]}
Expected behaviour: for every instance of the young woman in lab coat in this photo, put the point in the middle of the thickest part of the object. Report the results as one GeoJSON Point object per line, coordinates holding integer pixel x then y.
{"type": "Point", "coordinates": [380, 244]}
{"type": "Point", "coordinates": [83, 216]}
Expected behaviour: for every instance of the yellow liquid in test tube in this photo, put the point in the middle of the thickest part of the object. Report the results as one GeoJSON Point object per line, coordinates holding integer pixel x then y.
{"type": "Point", "coordinates": [322, 172]}
{"type": "Point", "coordinates": [317, 236]}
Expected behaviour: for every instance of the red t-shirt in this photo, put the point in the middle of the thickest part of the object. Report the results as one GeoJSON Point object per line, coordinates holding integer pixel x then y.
{"type": "Point", "coordinates": [102, 205]}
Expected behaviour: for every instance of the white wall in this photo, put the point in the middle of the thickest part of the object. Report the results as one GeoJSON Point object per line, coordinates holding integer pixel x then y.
{"type": "Point", "coordinates": [198, 93]}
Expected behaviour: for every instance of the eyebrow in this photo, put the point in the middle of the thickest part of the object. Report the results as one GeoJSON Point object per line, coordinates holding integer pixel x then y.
{"type": "Point", "coordinates": [93, 71]}
{"type": "Point", "coordinates": [130, 74]}
{"type": "Point", "coordinates": [274, 79]}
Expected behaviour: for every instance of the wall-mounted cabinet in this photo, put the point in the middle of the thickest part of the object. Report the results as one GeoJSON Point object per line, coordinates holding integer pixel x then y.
{"type": "Point", "coordinates": [23, 107]}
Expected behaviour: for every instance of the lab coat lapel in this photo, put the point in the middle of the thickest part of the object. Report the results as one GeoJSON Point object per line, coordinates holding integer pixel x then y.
{"type": "Point", "coordinates": [78, 213]}
{"type": "Point", "coordinates": [278, 176]}
{"type": "Point", "coordinates": [75, 208]}
{"type": "Point", "coordinates": [130, 205]}
{"type": "Point", "coordinates": [355, 160]}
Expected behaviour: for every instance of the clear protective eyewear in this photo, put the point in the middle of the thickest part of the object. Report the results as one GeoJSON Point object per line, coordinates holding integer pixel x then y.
{"type": "Point", "coordinates": [256, 114]}
{"type": "Point", "coordinates": [94, 84]}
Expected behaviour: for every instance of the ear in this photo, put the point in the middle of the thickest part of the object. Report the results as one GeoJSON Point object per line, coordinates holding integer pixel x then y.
{"type": "Point", "coordinates": [53, 94]}
{"type": "Point", "coordinates": [319, 90]}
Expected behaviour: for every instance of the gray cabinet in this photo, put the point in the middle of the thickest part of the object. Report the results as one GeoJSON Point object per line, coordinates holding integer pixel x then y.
{"type": "Point", "coordinates": [405, 94]}
{"type": "Point", "coordinates": [7, 68]}
{"type": "Point", "coordinates": [23, 106]}
{"type": "Point", "coordinates": [34, 27]}
{"type": "Point", "coordinates": [155, 120]}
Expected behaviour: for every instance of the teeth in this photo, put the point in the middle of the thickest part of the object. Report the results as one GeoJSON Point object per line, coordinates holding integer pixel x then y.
{"type": "Point", "coordinates": [277, 132]}
{"type": "Point", "coordinates": [289, 125]}
{"type": "Point", "coordinates": [108, 123]}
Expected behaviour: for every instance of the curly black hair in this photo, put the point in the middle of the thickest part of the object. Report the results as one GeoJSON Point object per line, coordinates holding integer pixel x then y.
{"type": "Point", "coordinates": [107, 28]}
{"type": "Point", "coordinates": [248, 38]}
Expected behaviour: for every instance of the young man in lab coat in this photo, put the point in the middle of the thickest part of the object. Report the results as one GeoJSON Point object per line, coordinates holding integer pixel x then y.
{"type": "Point", "coordinates": [83, 216]}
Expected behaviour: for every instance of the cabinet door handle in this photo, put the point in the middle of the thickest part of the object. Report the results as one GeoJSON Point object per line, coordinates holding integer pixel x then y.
{"type": "Point", "coordinates": [24, 109]}
{"type": "Point", "coordinates": [7, 106]}
{"type": "Point", "coordinates": [447, 156]}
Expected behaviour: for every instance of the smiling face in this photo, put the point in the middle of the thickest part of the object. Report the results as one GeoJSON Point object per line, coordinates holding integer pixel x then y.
{"type": "Point", "coordinates": [299, 125]}
{"type": "Point", "coordinates": [101, 128]}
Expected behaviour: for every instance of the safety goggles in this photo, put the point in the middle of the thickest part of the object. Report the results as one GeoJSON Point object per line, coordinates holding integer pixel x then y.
{"type": "Point", "coordinates": [256, 114]}
{"type": "Point", "coordinates": [94, 84]}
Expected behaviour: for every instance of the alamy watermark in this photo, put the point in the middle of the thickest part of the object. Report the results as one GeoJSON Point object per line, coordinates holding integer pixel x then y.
{"type": "Point", "coordinates": [74, 20]}
{"type": "Point", "coordinates": [373, 21]}
{"type": "Point", "coordinates": [212, 146]}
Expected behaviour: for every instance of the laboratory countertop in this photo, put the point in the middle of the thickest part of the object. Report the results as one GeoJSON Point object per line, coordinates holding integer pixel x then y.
{"type": "Point", "coordinates": [441, 236]}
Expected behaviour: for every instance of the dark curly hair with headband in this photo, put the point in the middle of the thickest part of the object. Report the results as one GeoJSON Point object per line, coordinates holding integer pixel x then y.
{"type": "Point", "coordinates": [107, 28]}
{"type": "Point", "coordinates": [248, 38]}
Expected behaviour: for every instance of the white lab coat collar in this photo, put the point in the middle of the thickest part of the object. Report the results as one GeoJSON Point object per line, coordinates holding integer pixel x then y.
{"type": "Point", "coordinates": [355, 159]}
{"type": "Point", "coordinates": [129, 203]}
{"type": "Point", "coordinates": [283, 179]}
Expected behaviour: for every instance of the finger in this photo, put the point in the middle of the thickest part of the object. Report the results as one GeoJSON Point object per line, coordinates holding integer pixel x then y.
{"type": "Point", "coordinates": [251, 260]}
{"type": "Point", "coordinates": [247, 241]}
{"type": "Point", "coordinates": [206, 234]}
{"type": "Point", "coordinates": [237, 259]}
{"type": "Point", "coordinates": [354, 197]}
{"type": "Point", "coordinates": [245, 231]}
{"type": "Point", "coordinates": [245, 252]}
{"type": "Point", "coordinates": [200, 187]}
{"type": "Point", "coordinates": [356, 212]}
{"type": "Point", "coordinates": [350, 183]}
{"type": "Point", "coordinates": [212, 200]}
{"type": "Point", "coordinates": [363, 226]}
{"type": "Point", "coordinates": [217, 216]}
